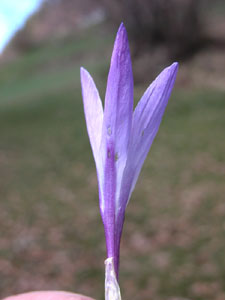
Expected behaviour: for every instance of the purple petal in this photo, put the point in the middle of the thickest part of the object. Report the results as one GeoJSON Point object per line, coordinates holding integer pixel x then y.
{"type": "Point", "coordinates": [115, 136]}
{"type": "Point", "coordinates": [119, 103]}
{"type": "Point", "coordinates": [93, 112]}
{"type": "Point", "coordinates": [146, 120]}
{"type": "Point", "coordinates": [119, 93]}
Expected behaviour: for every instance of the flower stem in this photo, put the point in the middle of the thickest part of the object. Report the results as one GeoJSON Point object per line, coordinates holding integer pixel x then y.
{"type": "Point", "coordinates": [112, 289]}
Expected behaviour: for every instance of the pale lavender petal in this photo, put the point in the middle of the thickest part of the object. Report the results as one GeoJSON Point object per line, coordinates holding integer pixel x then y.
{"type": "Point", "coordinates": [146, 120]}
{"type": "Point", "coordinates": [119, 104]}
{"type": "Point", "coordinates": [94, 119]}
{"type": "Point", "coordinates": [93, 112]}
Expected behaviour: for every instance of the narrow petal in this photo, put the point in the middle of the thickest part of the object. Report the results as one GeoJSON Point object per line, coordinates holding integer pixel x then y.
{"type": "Point", "coordinates": [115, 137]}
{"type": "Point", "coordinates": [93, 112]}
{"type": "Point", "coordinates": [94, 119]}
{"type": "Point", "coordinates": [119, 104]}
{"type": "Point", "coordinates": [146, 120]}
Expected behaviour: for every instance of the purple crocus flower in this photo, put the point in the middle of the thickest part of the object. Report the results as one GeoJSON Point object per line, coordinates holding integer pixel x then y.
{"type": "Point", "coordinates": [120, 138]}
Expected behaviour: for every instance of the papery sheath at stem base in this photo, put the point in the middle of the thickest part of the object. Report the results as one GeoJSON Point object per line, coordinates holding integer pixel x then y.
{"type": "Point", "coordinates": [112, 289]}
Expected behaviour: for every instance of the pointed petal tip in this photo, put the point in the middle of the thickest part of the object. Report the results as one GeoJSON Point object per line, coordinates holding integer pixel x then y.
{"type": "Point", "coordinates": [171, 70]}
{"type": "Point", "coordinates": [174, 67]}
{"type": "Point", "coordinates": [175, 63]}
{"type": "Point", "coordinates": [84, 74]}
{"type": "Point", "coordinates": [122, 27]}
{"type": "Point", "coordinates": [121, 45]}
{"type": "Point", "coordinates": [83, 70]}
{"type": "Point", "coordinates": [122, 32]}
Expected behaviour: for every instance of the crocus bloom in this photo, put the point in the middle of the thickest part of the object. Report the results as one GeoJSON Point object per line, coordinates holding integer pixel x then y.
{"type": "Point", "coordinates": [120, 138]}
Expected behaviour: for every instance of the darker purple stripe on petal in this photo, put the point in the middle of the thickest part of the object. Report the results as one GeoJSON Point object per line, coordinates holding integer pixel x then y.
{"type": "Point", "coordinates": [109, 198]}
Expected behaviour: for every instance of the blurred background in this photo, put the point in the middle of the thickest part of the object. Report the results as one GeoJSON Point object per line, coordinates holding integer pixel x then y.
{"type": "Point", "coordinates": [51, 236]}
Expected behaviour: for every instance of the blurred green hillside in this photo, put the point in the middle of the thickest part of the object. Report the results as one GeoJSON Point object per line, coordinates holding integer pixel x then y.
{"type": "Point", "coordinates": [51, 233]}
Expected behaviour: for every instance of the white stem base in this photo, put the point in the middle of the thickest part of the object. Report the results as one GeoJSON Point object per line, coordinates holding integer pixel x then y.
{"type": "Point", "coordinates": [112, 289]}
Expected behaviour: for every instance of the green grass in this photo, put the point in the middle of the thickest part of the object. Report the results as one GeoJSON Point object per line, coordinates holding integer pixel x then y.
{"type": "Point", "coordinates": [51, 232]}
